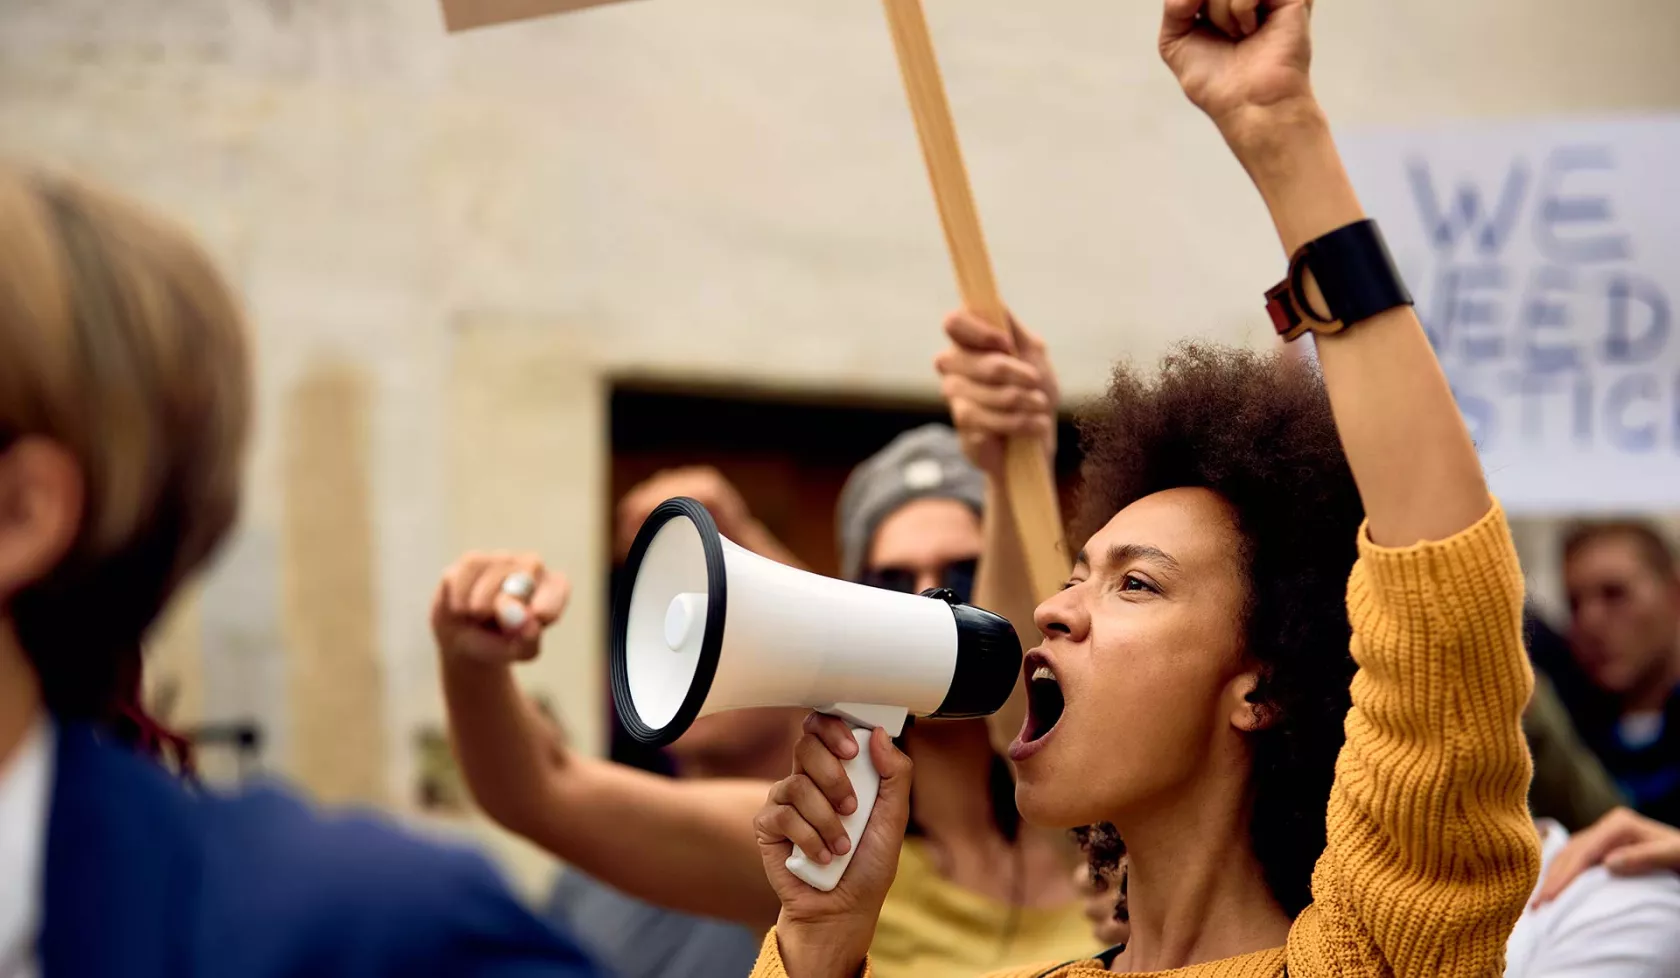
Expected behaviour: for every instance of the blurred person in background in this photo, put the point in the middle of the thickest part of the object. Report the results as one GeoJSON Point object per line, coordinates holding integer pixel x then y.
{"type": "Point", "coordinates": [1571, 785]}
{"type": "Point", "coordinates": [973, 891]}
{"type": "Point", "coordinates": [1607, 904]}
{"type": "Point", "coordinates": [124, 410]}
{"type": "Point", "coordinates": [1624, 630]}
{"type": "Point", "coordinates": [635, 938]}
{"type": "Point", "coordinates": [624, 921]}
{"type": "Point", "coordinates": [1624, 842]}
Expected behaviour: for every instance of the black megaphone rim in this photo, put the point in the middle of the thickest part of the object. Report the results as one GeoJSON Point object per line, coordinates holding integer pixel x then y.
{"type": "Point", "coordinates": [711, 645]}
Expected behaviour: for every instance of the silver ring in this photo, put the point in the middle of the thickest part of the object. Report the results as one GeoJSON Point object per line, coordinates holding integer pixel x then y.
{"type": "Point", "coordinates": [519, 586]}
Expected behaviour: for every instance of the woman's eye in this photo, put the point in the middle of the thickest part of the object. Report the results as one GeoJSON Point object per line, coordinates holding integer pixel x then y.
{"type": "Point", "coordinates": [1132, 582]}
{"type": "Point", "coordinates": [1066, 585]}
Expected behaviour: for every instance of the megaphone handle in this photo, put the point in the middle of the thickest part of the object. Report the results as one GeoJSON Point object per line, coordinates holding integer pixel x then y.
{"type": "Point", "coordinates": [866, 783]}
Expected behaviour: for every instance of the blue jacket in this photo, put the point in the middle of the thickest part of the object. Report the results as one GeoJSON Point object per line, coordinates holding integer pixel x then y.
{"type": "Point", "coordinates": [146, 878]}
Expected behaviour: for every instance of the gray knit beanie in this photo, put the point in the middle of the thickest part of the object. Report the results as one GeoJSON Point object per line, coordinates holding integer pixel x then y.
{"type": "Point", "coordinates": [925, 463]}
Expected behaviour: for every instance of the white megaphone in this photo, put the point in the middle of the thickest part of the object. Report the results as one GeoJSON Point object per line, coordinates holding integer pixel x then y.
{"type": "Point", "coordinates": [705, 626]}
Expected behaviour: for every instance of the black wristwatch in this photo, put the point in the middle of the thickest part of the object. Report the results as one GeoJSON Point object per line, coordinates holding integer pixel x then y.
{"type": "Point", "coordinates": [1355, 273]}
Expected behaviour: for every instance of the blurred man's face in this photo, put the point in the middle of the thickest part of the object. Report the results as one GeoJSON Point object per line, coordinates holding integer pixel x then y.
{"type": "Point", "coordinates": [925, 544]}
{"type": "Point", "coordinates": [734, 738]}
{"type": "Point", "coordinates": [1625, 616]}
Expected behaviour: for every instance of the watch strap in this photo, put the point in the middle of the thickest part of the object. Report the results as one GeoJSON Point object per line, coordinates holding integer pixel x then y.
{"type": "Point", "coordinates": [1355, 273]}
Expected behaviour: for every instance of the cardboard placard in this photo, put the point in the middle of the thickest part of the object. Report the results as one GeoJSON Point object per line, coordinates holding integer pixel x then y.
{"type": "Point", "coordinates": [1544, 255]}
{"type": "Point", "coordinates": [460, 15]}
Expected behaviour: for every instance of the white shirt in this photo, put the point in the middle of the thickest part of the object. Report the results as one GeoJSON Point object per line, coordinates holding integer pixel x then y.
{"type": "Point", "coordinates": [1601, 926]}
{"type": "Point", "coordinates": [25, 791]}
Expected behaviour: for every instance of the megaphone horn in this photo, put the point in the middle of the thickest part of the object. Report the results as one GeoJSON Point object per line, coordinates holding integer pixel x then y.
{"type": "Point", "coordinates": [705, 625]}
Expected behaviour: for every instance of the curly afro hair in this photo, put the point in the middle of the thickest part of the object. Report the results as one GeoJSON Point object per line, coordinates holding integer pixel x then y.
{"type": "Point", "coordinates": [1258, 431]}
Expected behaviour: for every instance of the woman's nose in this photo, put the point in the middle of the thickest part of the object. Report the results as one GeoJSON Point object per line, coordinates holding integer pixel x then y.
{"type": "Point", "coordinates": [1061, 614]}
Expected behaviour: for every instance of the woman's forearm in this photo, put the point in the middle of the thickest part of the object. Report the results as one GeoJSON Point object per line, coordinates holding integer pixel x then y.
{"type": "Point", "coordinates": [504, 756]}
{"type": "Point", "coordinates": [1408, 447]}
{"type": "Point", "coordinates": [686, 845]}
{"type": "Point", "coordinates": [1001, 586]}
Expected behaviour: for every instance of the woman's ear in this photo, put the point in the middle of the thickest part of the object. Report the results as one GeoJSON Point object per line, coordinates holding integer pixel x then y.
{"type": "Point", "coordinates": [1247, 714]}
{"type": "Point", "coordinates": [40, 511]}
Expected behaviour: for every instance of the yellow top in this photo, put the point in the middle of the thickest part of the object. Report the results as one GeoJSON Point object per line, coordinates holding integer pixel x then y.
{"type": "Point", "coordinates": [1431, 853]}
{"type": "Point", "coordinates": [932, 928]}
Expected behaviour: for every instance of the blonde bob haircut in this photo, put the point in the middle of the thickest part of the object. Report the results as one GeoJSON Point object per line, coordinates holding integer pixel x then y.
{"type": "Point", "coordinates": [120, 343]}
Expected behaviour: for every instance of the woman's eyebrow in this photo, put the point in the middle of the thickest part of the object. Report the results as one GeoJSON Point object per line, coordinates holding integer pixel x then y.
{"type": "Point", "coordinates": [1125, 553]}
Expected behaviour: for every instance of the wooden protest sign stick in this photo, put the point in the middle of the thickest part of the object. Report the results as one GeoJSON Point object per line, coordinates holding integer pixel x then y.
{"type": "Point", "coordinates": [1032, 487]}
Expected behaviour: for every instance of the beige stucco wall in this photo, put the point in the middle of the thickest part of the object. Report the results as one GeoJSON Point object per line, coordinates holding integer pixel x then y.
{"type": "Point", "coordinates": [449, 245]}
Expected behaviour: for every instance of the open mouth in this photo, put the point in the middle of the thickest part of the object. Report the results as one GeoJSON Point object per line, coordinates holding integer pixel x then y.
{"type": "Point", "coordinates": [1044, 699]}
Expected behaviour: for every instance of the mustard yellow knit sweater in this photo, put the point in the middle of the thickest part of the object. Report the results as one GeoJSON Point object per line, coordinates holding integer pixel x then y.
{"type": "Point", "coordinates": [1431, 852]}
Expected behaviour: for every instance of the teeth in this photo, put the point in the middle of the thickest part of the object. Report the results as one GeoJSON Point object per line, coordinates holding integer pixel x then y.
{"type": "Point", "coordinates": [1044, 672]}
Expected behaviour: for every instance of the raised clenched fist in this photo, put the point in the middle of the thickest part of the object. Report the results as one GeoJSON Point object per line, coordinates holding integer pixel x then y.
{"type": "Point", "coordinates": [494, 607]}
{"type": "Point", "coordinates": [1243, 62]}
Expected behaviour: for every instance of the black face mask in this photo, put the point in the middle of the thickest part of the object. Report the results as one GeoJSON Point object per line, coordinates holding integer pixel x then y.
{"type": "Point", "coordinates": [958, 576]}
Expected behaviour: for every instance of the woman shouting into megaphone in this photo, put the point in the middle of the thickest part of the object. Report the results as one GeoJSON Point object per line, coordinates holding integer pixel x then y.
{"type": "Point", "coordinates": [1287, 668]}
